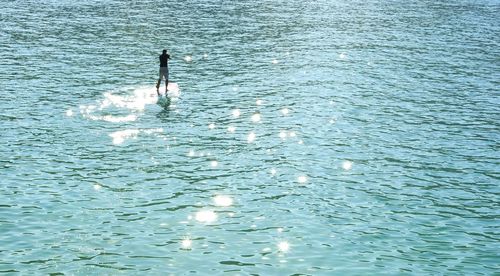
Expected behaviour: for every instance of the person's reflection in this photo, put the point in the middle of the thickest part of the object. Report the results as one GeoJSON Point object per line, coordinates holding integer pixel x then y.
{"type": "Point", "coordinates": [164, 114]}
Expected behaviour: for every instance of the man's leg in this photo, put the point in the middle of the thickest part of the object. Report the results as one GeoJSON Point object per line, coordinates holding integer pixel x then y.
{"type": "Point", "coordinates": [166, 81]}
{"type": "Point", "coordinates": [158, 84]}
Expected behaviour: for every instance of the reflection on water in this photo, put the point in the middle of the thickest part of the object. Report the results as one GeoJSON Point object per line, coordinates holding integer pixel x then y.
{"type": "Point", "coordinates": [186, 243]}
{"type": "Point", "coordinates": [283, 246]}
{"type": "Point", "coordinates": [302, 179]}
{"type": "Point", "coordinates": [251, 137]}
{"type": "Point", "coordinates": [236, 113]}
{"type": "Point", "coordinates": [347, 165]}
{"type": "Point", "coordinates": [206, 216]}
{"type": "Point", "coordinates": [256, 118]}
{"type": "Point", "coordinates": [223, 201]}
{"type": "Point", "coordinates": [310, 138]}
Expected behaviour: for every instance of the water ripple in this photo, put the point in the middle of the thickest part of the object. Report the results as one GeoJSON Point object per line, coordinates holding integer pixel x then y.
{"type": "Point", "coordinates": [310, 138]}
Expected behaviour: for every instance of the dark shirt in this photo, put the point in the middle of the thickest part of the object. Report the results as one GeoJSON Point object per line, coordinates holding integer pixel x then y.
{"type": "Point", "coordinates": [164, 60]}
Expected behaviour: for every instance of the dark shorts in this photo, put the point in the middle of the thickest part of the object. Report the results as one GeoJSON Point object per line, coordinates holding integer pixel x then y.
{"type": "Point", "coordinates": [164, 73]}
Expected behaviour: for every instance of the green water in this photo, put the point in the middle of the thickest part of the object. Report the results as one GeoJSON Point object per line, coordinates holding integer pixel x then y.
{"type": "Point", "coordinates": [308, 138]}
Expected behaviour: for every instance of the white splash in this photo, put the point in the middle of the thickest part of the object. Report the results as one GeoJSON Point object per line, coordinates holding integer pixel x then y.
{"type": "Point", "coordinates": [275, 61]}
{"type": "Point", "coordinates": [214, 163]}
{"type": "Point", "coordinates": [258, 102]}
{"type": "Point", "coordinates": [342, 56]}
{"type": "Point", "coordinates": [285, 111]}
{"type": "Point", "coordinates": [231, 129]}
{"type": "Point", "coordinates": [188, 58]}
{"type": "Point", "coordinates": [211, 126]}
{"type": "Point", "coordinates": [69, 112]}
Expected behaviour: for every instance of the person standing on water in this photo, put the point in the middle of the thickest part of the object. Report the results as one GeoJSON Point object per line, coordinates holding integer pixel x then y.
{"type": "Point", "coordinates": [163, 71]}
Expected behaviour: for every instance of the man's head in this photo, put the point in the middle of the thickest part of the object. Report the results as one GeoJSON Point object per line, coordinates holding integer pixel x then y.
{"type": "Point", "coordinates": [165, 51]}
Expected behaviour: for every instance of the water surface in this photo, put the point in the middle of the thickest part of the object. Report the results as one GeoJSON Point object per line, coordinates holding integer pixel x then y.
{"type": "Point", "coordinates": [309, 138]}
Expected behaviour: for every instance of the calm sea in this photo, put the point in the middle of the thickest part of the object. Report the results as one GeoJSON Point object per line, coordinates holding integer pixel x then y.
{"type": "Point", "coordinates": [322, 137]}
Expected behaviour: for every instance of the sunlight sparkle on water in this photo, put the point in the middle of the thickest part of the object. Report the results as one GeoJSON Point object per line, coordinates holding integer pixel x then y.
{"type": "Point", "coordinates": [258, 102]}
{"type": "Point", "coordinates": [282, 134]}
{"type": "Point", "coordinates": [302, 179]}
{"type": "Point", "coordinates": [214, 164]}
{"type": "Point", "coordinates": [236, 113]}
{"type": "Point", "coordinates": [191, 153]}
{"type": "Point", "coordinates": [347, 165]}
{"type": "Point", "coordinates": [273, 171]}
{"type": "Point", "coordinates": [211, 126]}
{"type": "Point", "coordinates": [119, 119]}
{"type": "Point", "coordinates": [206, 216]}
{"type": "Point", "coordinates": [69, 112]}
{"type": "Point", "coordinates": [231, 129]}
{"type": "Point", "coordinates": [283, 246]}
{"type": "Point", "coordinates": [256, 117]}
{"type": "Point", "coordinates": [120, 136]}
{"type": "Point", "coordinates": [186, 243]}
{"type": "Point", "coordinates": [285, 111]}
{"type": "Point", "coordinates": [188, 58]}
{"type": "Point", "coordinates": [251, 137]}
{"type": "Point", "coordinates": [97, 187]}
{"type": "Point", "coordinates": [223, 201]}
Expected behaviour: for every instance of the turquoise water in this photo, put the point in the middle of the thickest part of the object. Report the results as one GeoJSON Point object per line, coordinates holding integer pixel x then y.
{"type": "Point", "coordinates": [306, 138]}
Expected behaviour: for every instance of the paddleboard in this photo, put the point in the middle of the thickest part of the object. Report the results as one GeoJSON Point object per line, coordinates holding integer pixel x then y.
{"type": "Point", "coordinates": [173, 92]}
